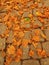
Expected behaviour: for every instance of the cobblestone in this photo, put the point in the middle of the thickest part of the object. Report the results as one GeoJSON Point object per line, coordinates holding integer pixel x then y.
{"type": "Point", "coordinates": [45, 61]}
{"type": "Point", "coordinates": [31, 7]}
{"type": "Point", "coordinates": [2, 28]}
{"type": "Point", "coordinates": [41, 32]}
{"type": "Point", "coordinates": [46, 47]}
{"type": "Point", "coordinates": [15, 63]}
{"type": "Point", "coordinates": [30, 62]}
{"type": "Point", "coordinates": [1, 59]}
{"type": "Point", "coordinates": [2, 43]}
{"type": "Point", "coordinates": [47, 33]}
{"type": "Point", "coordinates": [25, 52]}
{"type": "Point", "coordinates": [34, 49]}
{"type": "Point", "coordinates": [10, 37]}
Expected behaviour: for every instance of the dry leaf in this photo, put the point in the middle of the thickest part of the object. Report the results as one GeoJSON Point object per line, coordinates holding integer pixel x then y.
{"type": "Point", "coordinates": [31, 53]}
{"type": "Point", "coordinates": [36, 38]}
{"type": "Point", "coordinates": [11, 49]}
{"type": "Point", "coordinates": [25, 42]}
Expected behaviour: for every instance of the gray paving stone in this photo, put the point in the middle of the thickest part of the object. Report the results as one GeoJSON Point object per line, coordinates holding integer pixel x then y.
{"type": "Point", "coordinates": [27, 35]}
{"type": "Point", "coordinates": [15, 63]}
{"type": "Point", "coordinates": [2, 28]}
{"type": "Point", "coordinates": [38, 46]}
{"type": "Point", "coordinates": [1, 59]}
{"type": "Point", "coordinates": [46, 2]}
{"type": "Point", "coordinates": [25, 52]}
{"type": "Point", "coordinates": [37, 22]}
{"type": "Point", "coordinates": [2, 15]}
{"type": "Point", "coordinates": [25, 14]}
{"type": "Point", "coordinates": [33, 33]}
{"type": "Point", "coordinates": [45, 61]}
{"type": "Point", "coordinates": [27, 25]}
{"type": "Point", "coordinates": [24, 25]}
{"type": "Point", "coordinates": [46, 47]}
{"type": "Point", "coordinates": [46, 31]}
{"type": "Point", "coordinates": [34, 11]}
{"type": "Point", "coordinates": [40, 4]}
{"type": "Point", "coordinates": [41, 37]}
{"type": "Point", "coordinates": [31, 62]}
{"type": "Point", "coordinates": [35, 50]}
{"type": "Point", "coordinates": [10, 37]}
{"type": "Point", "coordinates": [2, 43]}
{"type": "Point", "coordinates": [29, 3]}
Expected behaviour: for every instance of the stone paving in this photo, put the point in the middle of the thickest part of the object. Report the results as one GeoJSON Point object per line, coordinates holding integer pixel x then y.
{"type": "Point", "coordinates": [43, 44]}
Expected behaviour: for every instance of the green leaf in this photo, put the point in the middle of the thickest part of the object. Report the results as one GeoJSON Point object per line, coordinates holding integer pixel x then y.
{"type": "Point", "coordinates": [27, 19]}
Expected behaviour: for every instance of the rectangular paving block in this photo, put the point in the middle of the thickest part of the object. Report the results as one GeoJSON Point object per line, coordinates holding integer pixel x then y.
{"type": "Point", "coordinates": [2, 43]}
{"type": "Point", "coordinates": [31, 62]}
{"type": "Point", "coordinates": [37, 22]}
{"type": "Point", "coordinates": [35, 50]}
{"type": "Point", "coordinates": [46, 31]}
{"type": "Point", "coordinates": [15, 63]}
{"type": "Point", "coordinates": [1, 59]}
{"type": "Point", "coordinates": [46, 3]}
{"type": "Point", "coordinates": [41, 32]}
{"type": "Point", "coordinates": [10, 37]}
{"type": "Point", "coordinates": [46, 47]}
{"type": "Point", "coordinates": [25, 52]}
{"type": "Point", "coordinates": [25, 14]}
{"type": "Point", "coordinates": [45, 61]}
{"type": "Point", "coordinates": [2, 28]}
{"type": "Point", "coordinates": [27, 35]}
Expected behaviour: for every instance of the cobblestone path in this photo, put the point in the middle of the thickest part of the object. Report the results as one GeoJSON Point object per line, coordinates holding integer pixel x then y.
{"type": "Point", "coordinates": [7, 35]}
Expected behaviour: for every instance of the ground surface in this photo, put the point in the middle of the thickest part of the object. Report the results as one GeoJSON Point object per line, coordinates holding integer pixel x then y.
{"type": "Point", "coordinates": [43, 44]}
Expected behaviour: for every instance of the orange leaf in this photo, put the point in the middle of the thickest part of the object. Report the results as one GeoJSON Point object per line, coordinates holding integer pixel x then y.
{"type": "Point", "coordinates": [31, 53]}
{"type": "Point", "coordinates": [25, 42]}
{"type": "Point", "coordinates": [19, 52]}
{"type": "Point", "coordinates": [36, 38]}
{"type": "Point", "coordinates": [11, 49]}
{"type": "Point", "coordinates": [43, 53]}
